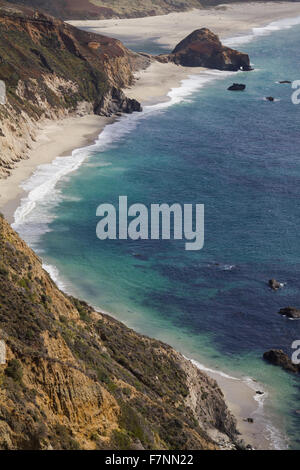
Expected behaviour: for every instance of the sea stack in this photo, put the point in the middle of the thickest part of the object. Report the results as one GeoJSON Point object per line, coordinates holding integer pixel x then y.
{"type": "Point", "coordinates": [203, 48]}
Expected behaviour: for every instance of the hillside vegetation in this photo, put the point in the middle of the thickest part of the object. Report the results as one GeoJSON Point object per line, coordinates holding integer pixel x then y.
{"type": "Point", "coordinates": [51, 70]}
{"type": "Point", "coordinates": [78, 379]}
{"type": "Point", "coordinates": [100, 9]}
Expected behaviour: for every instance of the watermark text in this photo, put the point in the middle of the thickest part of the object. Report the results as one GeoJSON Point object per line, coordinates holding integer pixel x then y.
{"type": "Point", "coordinates": [159, 222]}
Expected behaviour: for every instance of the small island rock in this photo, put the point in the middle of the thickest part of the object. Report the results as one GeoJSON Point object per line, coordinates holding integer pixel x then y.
{"type": "Point", "coordinates": [237, 87]}
{"type": "Point", "coordinates": [290, 312]}
{"type": "Point", "coordinates": [275, 285]}
{"type": "Point", "coordinates": [279, 358]}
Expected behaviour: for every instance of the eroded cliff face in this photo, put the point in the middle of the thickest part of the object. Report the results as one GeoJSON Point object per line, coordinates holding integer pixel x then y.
{"type": "Point", "coordinates": [51, 70]}
{"type": "Point", "coordinates": [78, 379]}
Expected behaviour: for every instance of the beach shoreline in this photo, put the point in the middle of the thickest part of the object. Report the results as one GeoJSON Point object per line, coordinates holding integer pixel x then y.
{"type": "Point", "coordinates": [60, 138]}
{"type": "Point", "coordinates": [152, 85]}
{"type": "Point", "coordinates": [54, 139]}
{"type": "Point", "coordinates": [226, 21]}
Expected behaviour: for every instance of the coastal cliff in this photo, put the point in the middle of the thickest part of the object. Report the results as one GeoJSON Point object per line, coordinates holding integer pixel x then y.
{"type": "Point", "coordinates": [102, 9]}
{"type": "Point", "coordinates": [52, 70]}
{"type": "Point", "coordinates": [78, 379]}
{"type": "Point", "coordinates": [99, 9]}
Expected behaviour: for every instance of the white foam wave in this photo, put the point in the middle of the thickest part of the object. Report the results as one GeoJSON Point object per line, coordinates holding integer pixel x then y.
{"type": "Point", "coordinates": [271, 433]}
{"type": "Point", "coordinates": [54, 274]}
{"type": "Point", "coordinates": [46, 177]}
{"type": "Point", "coordinates": [212, 371]}
{"type": "Point", "coordinates": [270, 28]}
{"type": "Point", "coordinates": [33, 216]}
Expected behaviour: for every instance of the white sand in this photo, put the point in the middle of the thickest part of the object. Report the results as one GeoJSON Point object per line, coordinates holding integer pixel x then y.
{"type": "Point", "coordinates": [226, 21]}
{"type": "Point", "coordinates": [54, 139]}
{"type": "Point", "coordinates": [153, 84]}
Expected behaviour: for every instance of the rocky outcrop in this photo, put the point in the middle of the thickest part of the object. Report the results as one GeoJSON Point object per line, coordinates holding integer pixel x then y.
{"type": "Point", "coordinates": [52, 70]}
{"type": "Point", "coordinates": [274, 285]}
{"type": "Point", "coordinates": [115, 101]}
{"type": "Point", "coordinates": [237, 87]}
{"type": "Point", "coordinates": [278, 358]}
{"type": "Point", "coordinates": [78, 379]}
{"type": "Point", "coordinates": [290, 312]}
{"type": "Point", "coordinates": [203, 48]}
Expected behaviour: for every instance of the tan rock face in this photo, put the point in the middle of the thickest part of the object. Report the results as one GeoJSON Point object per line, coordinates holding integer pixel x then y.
{"type": "Point", "coordinates": [94, 45]}
{"type": "Point", "coordinates": [75, 378]}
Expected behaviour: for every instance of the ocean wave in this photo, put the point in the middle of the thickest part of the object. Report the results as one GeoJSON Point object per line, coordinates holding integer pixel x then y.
{"type": "Point", "coordinates": [44, 180]}
{"type": "Point", "coordinates": [271, 432]}
{"type": "Point", "coordinates": [263, 31]}
{"type": "Point", "coordinates": [212, 371]}
{"type": "Point", "coordinates": [32, 217]}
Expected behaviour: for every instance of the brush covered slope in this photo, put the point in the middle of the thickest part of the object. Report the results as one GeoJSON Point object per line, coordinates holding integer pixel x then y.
{"type": "Point", "coordinates": [99, 9]}
{"type": "Point", "coordinates": [78, 379]}
{"type": "Point", "coordinates": [51, 70]}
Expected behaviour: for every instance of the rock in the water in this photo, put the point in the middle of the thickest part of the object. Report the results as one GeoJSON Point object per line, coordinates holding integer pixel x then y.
{"type": "Point", "coordinates": [203, 48]}
{"type": "Point", "coordinates": [270, 98]}
{"type": "Point", "coordinates": [275, 285]}
{"type": "Point", "coordinates": [237, 87]}
{"type": "Point", "coordinates": [290, 312]}
{"type": "Point", "coordinates": [285, 81]}
{"type": "Point", "coordinates": [278, 358]}
{"type": "Point", "coordinates": [115, 102]}
{"type": "Point", "coordinates": [249, 420]}
{"type": "Point", "coordinates": [258, 392]}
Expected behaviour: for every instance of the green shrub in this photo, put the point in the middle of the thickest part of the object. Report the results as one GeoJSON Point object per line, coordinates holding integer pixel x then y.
{"type": "Point", "coordinates": [121, 440]}
{"type": "Point", "coordinates": [66, 441]}
{"type": "Point", "coordinates": [3, 270]}
{"type": "Point", "coordinates": [14, 370]}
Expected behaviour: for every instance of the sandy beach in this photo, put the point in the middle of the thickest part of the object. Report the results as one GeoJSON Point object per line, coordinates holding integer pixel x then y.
{"type": "Point", "coordinates": [54, 139]}
{"type": "Point", "coordinates": [168, 30]}
{"type": "Point", "coordinates": [152, 85]}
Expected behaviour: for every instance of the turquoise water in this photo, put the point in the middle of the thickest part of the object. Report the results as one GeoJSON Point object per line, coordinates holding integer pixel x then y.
{"type": "Point", "coordinates": [237, 154]}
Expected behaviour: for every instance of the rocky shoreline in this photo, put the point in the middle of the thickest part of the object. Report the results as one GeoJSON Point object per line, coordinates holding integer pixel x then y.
{"type": "Point", "coordinates": [89, 378]}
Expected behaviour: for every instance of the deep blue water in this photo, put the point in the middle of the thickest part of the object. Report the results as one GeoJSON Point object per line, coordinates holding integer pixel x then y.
{"type": "Point", "coordinates": [240, 156]}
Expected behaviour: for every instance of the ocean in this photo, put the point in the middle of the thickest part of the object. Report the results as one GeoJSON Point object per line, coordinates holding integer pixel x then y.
{"type": "Point", "coordinates": [234, 152]}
